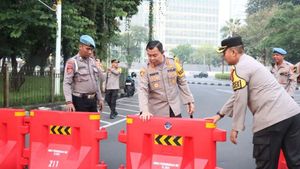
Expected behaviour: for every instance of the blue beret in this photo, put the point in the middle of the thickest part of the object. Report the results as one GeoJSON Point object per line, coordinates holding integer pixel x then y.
{"type": "Point", "coordinates": [87, 40]}
{"type": "Point", "coordinates": [279, 51]}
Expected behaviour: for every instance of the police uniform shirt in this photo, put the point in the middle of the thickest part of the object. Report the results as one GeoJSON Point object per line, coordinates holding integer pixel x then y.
{"type": "Point", "coordinates": [81, 75]}
{"type": "Point", "coordinates": [285, 76]}
{"type": "Point", "coordinates": [254, 86]}
{"type": "Point", "coordinates": [162, 87]}
{"type": "Point", "coordinates": [113, 79]}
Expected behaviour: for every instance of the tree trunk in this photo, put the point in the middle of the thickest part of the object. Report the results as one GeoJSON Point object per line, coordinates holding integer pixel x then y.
{"type": "Point", "coordinates": [151, 20]}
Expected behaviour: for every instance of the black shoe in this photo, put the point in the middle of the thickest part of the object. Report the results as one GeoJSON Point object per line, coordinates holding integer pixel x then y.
{"type": "Point", "coordinates": [116, 113]}
{"type": "Point", "coordinates": [112, 116]}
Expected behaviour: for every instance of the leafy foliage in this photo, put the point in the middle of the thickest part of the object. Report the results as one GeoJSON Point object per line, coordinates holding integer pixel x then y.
{"type": "Point", "coordinates": [275, 25]}
{"type": "Point", "coordinates": [184, 52]}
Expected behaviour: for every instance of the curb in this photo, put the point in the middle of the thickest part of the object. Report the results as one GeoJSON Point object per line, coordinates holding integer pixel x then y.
{"type": "Point", "coordinates": [215, 84]}
{"type": "Point", "coordinates": [211, 84]}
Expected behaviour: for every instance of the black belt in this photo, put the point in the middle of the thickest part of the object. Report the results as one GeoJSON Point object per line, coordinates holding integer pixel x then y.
{"type": "Point", "coordinates": [85, 95]}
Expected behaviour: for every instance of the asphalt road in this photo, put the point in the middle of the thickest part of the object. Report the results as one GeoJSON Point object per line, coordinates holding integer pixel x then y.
{"type": "Point", "coordinates": [209, 100]}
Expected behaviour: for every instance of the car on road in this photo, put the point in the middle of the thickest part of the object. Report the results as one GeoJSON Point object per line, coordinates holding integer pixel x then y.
{"type": "Point", "coordinates": [201, 75]}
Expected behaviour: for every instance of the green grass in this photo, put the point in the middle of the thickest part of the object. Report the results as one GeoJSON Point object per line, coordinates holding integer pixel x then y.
{"type": "Point", "coordinates": [223, 76]}
{"type": "Point", "coordinates": [35, 90]}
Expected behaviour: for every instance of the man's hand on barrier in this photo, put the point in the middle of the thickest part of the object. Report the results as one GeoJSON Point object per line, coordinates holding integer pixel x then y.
{"type": "Point", "coordinates": [70, 107]}
{"type": "Point", "coordinates": [233, 136]}
{"type": "Point", "coordinates": [190, 108]}
{"type": "Point", "coordinates": [145, 116]}
{"type": "Point", "coordinates": [214, 119]}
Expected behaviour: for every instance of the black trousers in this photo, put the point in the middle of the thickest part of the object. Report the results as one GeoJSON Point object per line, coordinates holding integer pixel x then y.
{"type": "Point", "coordinates": [173, 115]}
{"type": "Point", "coordinates": [284, 135]}
{"type": "Point", "coordinates": [84, 104]}
{"type": "Point", "coordinates": [111, 99]}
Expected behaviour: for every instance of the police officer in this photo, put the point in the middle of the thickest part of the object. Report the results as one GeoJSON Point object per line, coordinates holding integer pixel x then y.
{"type": "Point", "coordinates": [112, 87]}
{"type": "Point", "coordinates": [276, 121]}
{"type": "Point", "coordinates": [283, 71]}
{"type": "Point", "coordinates": [80, 79]}
{"type": "Point", "coordinates": [162, 84]}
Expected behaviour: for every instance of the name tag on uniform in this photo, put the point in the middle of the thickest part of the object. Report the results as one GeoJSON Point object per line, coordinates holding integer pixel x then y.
{"type": "Point", "coordinates": [153, 74]}
{"type": "Point", "coordinates": [172, 70]}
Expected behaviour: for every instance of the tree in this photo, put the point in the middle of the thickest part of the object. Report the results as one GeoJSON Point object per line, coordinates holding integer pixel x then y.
{"type": "Point", "coordinates": [278, 27]}
{"type": "Point", "coordinates": [255, 31]}
{"type": "Point", "coordinates": [284, 28]}
{"type": "Point", "coordinates": [255, 6]}
{"type": "Point", "coordinates": [232, 28]}
{"type": "Point", "coordinates": [131, 43]}
{"type": "Point", "coordinates": [183, 52]}
{"type": "Point", "coordinates": [207, 55]}
{"type": "Point", "coordinates": [28, 29]}
{"type": "Point", "coordinates": [151, 20]}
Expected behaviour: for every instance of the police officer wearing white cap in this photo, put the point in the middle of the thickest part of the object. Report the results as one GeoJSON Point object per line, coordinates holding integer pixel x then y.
{"type": "Point", "coordinates": [283, 71]}
{"type": "Point", "coordinates": [80, 84]}
{"type": "Point", "coordinates": [276, 116]}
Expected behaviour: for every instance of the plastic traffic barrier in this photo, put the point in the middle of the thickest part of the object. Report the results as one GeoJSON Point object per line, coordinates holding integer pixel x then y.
{"type": "Point", "coordinates": [282, 163]}
{"type": "Point", "coordinates": [172, 143]}
{"type": "Point", "coordinates": [12, 138]}
{"type": "Point", "coordinates": [65, 140]}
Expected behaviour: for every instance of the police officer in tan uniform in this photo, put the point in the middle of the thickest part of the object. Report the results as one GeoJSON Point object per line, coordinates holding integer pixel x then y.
{"type": "Point", "coordinates": [162, 84]}
{"type": "Point", "coordinates": [80, 79]}
{"type": "Point", "coordinates": [112, 87]}
{"type": "Point", "coordinates": [283, 71]}
{"type": "Point", "coordinates": [276, 116]}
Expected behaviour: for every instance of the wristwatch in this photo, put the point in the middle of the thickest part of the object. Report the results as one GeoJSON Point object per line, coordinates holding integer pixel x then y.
{"type": "Point", "coordinates": [221, 115]}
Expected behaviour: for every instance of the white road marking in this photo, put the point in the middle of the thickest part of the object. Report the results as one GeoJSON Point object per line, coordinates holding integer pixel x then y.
{"type": "Point", "coordinates": [120, 115]}
{"type": "Point", "coordinates": [130, 101]}
{"type": "Point", "coordinates": [132, 105]}
{"type": "Point", "coordinates": [125, 99]}
{"type": "Point", "coordinates": [106, 122]}
{"type": "Point", "coordinates": [225, 91]}
{"type": "Point", "coordinates": [129, 110]}
{"type": "Point", "coordinates": [114, 123]}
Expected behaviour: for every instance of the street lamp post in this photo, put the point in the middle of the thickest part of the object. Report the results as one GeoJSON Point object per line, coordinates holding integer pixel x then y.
{"type": "Point", "coordinates": [58, 44]}
{"type": "Point", "coordinates": [58, 49]}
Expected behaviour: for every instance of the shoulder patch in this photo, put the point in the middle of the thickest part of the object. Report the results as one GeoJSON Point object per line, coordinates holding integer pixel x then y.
{"type": "Point", "coordinates": [70, 66]}
{"type": "Point", "coordinates": [142, 72]}
{"type": "Point", "coordinates": [120, 70]}
{"type": "Point", "coordinates": [237, 82]}
{"type": "Point", "coordinates": [179, 69]}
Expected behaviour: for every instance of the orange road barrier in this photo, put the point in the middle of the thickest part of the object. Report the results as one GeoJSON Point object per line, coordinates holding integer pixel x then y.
{"type": "Point", "coordinates": [172, 143]}
{"type": "Point", "coordinates": [282, 163]}
{"type": "Point", "coordinates": [65, 140]}
{"type": "Point", "coordinates": [12, 138]}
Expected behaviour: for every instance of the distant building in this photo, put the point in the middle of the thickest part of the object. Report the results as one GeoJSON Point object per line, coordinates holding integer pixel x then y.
{"type": "Point", "coordinates": [194, 22]}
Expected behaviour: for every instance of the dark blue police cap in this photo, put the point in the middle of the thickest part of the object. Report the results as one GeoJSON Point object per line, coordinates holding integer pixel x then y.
{"type": "Point", "coordinates": [230, 42]}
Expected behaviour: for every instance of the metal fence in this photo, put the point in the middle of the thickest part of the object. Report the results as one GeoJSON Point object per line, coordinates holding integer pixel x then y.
{"type": "Point", "coordinates": [28, 86]}
{"type": "Point", "coordinates": [31, 86]}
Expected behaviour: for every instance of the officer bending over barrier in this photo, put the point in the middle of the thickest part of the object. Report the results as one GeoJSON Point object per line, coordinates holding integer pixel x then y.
{"type": "Point", "coordinates": [162, 84]}
{"type": "Point", "coordinates": [276, 121]}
